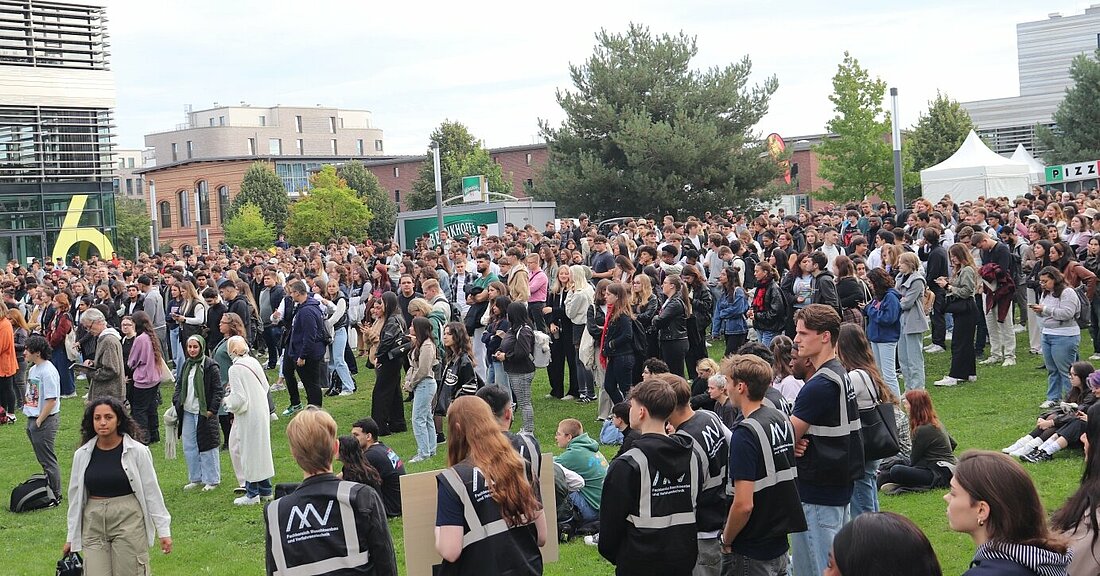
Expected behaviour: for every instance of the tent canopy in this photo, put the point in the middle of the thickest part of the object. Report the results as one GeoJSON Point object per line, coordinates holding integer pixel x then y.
{"type": "Point", "coordinates": [1035, 167]}
{"type": "Point", "coordinates": [972, 171]}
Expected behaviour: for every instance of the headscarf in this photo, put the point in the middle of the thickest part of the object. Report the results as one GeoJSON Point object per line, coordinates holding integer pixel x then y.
{"type": "Point", "coordinates": [196, 365]}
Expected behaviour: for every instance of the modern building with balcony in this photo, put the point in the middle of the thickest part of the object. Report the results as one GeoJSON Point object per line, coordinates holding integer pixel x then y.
{"type": "Point", "coordinates": [56, 99]}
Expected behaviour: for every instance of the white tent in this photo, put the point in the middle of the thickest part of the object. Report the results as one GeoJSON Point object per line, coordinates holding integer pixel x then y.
{"type": "Point", "coordinates": [972, 171]}
{"type": "Point", "coordinates": [1035, 167]}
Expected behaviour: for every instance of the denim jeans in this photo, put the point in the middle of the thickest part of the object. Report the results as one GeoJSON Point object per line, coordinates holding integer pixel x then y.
{"type": "Point", "coordinates": [204, 467]}
{"type": "Point", "coordinates": [865, 491]}
{"type": "Point", "coordinates": [886, 358]}
{"type": "Point", "coordinates": [810, 549]}
{"type": "Point", "coordinates": [177, 348]}
{"type": "Point", "coordinates": [273, 335]}
{"type": "Point", "coordinates": [911, 358]}
{"type": "Point", "coordinates": [1058, 353]}
{"type": "Point", "coordinates": [336, 361]}
{"type": "Point", "coordinates": [583, 508]}
{"type": "Point", "coordinates": [734, 564]}
{"type": "Point", "coordinates": [497, 376]}
{"type": "Point", "coordinates": [261, 488]}
{"type": "Point", "coordinates": [422, 422]}
{"type": "Point", "coordinates": [766, 336]}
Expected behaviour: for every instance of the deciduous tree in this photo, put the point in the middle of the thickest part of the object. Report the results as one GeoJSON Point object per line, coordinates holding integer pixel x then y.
{"type": "Point", "coordinates": [131, 221]}
{"type": "Point", "coordinates": [1076, 136]}
{"type": "Point", "coordinates": [329, 210]}
{"type": "Point", "coordinates": [460, 154]}
{"type": "Point", "coordinates": [382, 207]}
{"type": "Point", "coordinates": [262, 187]}
{"type": "Point", "coordinates": [248, 229]}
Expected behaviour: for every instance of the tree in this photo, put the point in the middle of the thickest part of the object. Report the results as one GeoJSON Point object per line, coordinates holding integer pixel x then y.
{"type": "Point", "coordinates": [329, 210]}
{"type": "Point", "coordinates": [937, 135]}
{"type": "Point", "coordinates": [460, 154]}
{"type": "Point", "coordinates": [859, 159]}
{"type": "Point", "coordinates": [132, 220]}
{"type": "Point", "coordinates": [263, 188]}
{"type": "Point", "coordinates": [248, 229]}
{"type": "Point", "coordinates": [1076, 136]}
{"type": "Point", "coordinates": [647, 134]}
{"type": "Point", "coordinates": [366, 185]}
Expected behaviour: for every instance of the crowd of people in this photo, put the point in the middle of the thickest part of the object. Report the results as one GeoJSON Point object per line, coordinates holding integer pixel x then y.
{"type": "Point", "coordinates": [821, 317]}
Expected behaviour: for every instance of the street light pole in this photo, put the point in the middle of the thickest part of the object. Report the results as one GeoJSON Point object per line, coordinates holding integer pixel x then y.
{"type": "Point", "coordinates": [899, 196]}
{"type": "Point", "coordinates": [438, 189]}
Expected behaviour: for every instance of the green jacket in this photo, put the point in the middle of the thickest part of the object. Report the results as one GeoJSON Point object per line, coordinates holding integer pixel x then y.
{"type": "Point", "coordinates": [583, 456]}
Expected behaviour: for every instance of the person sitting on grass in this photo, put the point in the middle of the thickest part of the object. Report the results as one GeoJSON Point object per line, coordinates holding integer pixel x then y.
{"type": "Point", "coordinates": [1071, 423]}
{"type": "Point", "coordinates": [932, 459]}
{"type": "Point", "coordinates": [1081, 395]}
{"type": "Point", "coordinates": [582, 455]}
{"type": "Point", "coordinates": [384, 460]}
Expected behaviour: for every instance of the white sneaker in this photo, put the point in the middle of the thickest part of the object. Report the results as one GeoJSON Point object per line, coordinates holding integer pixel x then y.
{"type": "Point", "coordinates": [972, 378]}
{"type": "Point", "coordinates": [278, 386]}
{"type": "Point", "coordinates": [209, 487]}
{"type": "Point", "coordinates": [1008, 362]}
{"type": "Point", "coordinates": [345, 393]}
{"type": "Point", "coordinates": [81, 376]}
{"type": "Point", "coordinates": [192, 485]}
{"type": "Point", "coordinates": [593, 540]}
{"type": "Point", "coordinates": [1094, 357]}
{"type": "Point", "coordinates": [1018, 328]}
{"type": "Point", "coordinates": [946, 381]}
{"type": "Point", "coordinates": [1016, 445]}
{"type": "Point", "coordinates": [934, 349]}
{"type": "Point", "coordinates": [1047, 404]}
{"type": "Point", "coordinates": [415, 459]}
{"type": "Point", "coordinates": [568, 397]}
{"type": "Point", "coordinates": [991, 360]}
{"type": "Point", "coordinates": [246, 501]}
{"type": "Point", "coordinates": [1027, 447]}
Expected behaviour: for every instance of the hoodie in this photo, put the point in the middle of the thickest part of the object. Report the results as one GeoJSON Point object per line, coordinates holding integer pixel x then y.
{"type": "Point", "coordinates": [884, 318]}
{"type": "Point", "coordinates": [109, 376]}
{"type": "Point", "coordinates": [307, 332]}
{"type": "Point", "coordinates": [1005, 559]}
{"type": "Point", "coordinates": [582, 455]}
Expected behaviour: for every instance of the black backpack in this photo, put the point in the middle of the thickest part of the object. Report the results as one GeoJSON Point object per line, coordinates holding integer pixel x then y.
{"type": "Point", "coordinates": [750, 270]}
{"type": "Point", "coordinates": [639, 339]}
{"type": "Point", "coordinates": [34, 494]}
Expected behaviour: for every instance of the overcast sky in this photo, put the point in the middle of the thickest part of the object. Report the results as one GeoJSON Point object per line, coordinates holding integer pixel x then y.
{"type": "Point", "coordinates": [495, 65]}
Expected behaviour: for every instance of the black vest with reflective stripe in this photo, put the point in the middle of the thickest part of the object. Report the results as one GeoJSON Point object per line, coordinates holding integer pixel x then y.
{"type": "Point", "coordinates": [528, 449]}
{"type": "Point", "coordinates": [317, 534]}
{"type": "Point", "coordinates": [665, 501]}
{"type": "Point", "coordinates": [776, 509]}
{"type": "Point", "coordinates": [834, 456]}
{"type": "Point", "coordinates": [710, 440]}
{"type": "Point", "coordinates": [488, 545]}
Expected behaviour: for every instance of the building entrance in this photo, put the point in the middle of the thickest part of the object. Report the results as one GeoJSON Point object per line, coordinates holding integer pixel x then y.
{"type": "Point", "coordinates": [22, 247]}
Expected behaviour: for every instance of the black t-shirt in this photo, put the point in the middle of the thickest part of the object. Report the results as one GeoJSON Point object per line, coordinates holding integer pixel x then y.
{"type": "Point", "coordinates": [104, 477]}
{"type": "Point", "coordinates": [391, 469]}
{"type": "Point", "coordinates": [602, 262]}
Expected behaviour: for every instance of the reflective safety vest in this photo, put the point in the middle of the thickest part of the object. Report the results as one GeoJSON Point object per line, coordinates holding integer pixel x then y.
{"type": "Point", "coordinates": [834, 456]}
{"type": "Point", "coordinates": [528, 449]}
{"type": "Point", "coordinates": [776, 509]}
{"type": "Point", "coordinates": [489, 546]}
{"type": "Point", "coordinates": [710, 441]}
{"type": "Point", "coordinates": [298, 526]}
{"type": "Point", "coordinates": [660, 505]}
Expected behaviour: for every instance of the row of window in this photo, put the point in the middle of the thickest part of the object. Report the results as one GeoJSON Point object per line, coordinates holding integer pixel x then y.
{"type": "Point", "coordinates": [132, 186]}
{"type": "Point", "coordinates": [186, 203]}
{"type": "Point", "coordinates": [275, 148]}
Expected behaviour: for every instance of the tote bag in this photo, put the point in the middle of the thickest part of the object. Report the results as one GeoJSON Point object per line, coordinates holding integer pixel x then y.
{"type": "Point", "coordinates": [880, 430]}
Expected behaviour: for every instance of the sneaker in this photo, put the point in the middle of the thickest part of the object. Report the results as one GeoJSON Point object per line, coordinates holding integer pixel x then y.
{"type": "Point", "coordinates": [1037, 455]}
{"type": "Point", "coordinates": [292, 409]}
{"type": "Point", "coordinates": [192, 485]}
{"type": "Point", "coordinates": [1022, 451]}
{"type": "Point", "coordinates": [246, 501]}
{"type": "Point", "coordinates": [209, 487]}
{"type": "Point", "coordinates": [274, 416]}
{"type": "Point", "coordinates": [1094, 357]}
{"type": "Point", "coordinates": [934, 349]}
{"type": "Point", "coordinates": [11, 418]}
{"type": "Point", "coordinates": [1018, 328]}
{"type": "Point", "coordinates": [593, 540]}
{"type": "Point", "coordinates": [1008, 362]}
{"type": "Point", "coordinates": [890, 488]}
{"type": "Point", "coordinates": [584, 400]}
{"type": "Point", "coordinates": [415, 459]}
{"type": "Point", "coordinates": [991, 360]}
{"type": "Point", "coordinates": [81, 376]}
{"type": "Point", "coordinates": [239, 490]}
{"type": "Point", "coordinates": [569, 397]}
{"type": "Point", "coordinates": [440, 438]}
{"type": "Point", "coordinates": [1047, 404]}
{"type": "Point", "coordinates": [972, 378]}
{"type": "Point", "coordinates": [332, 392]}
{"type": "Point", "coordinates": [267, 498]}
{"type": "Point", "coordinates": [345, 393]}
{"type": "Point", "coordinates": [278, 387]}
{"type": "Point", "coordinates": [67, 396]}
{"type": "Point", "coordinates": [946, 381]}
{"type": "Point", "coordinates": [1041, 367]}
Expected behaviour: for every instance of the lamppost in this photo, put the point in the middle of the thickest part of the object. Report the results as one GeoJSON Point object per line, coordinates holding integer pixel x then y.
{"type": "Point", "coordinates": [438, 188]}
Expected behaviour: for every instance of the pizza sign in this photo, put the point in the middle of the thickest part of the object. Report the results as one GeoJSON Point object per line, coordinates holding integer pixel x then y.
{"type": "Point", "coordinates": [1073, 172]}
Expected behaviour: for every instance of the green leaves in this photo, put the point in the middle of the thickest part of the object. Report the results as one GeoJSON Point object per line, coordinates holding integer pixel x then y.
{"type": "Point", "coordinates": [366, 185]}
{"type": "Point", "coordinates": [328, 211]}
{"type": "Point", "coordinates": [262, 187]}
{"type": "Point", "coordinates": [131, 221]}
{"type": "Point", "coordinates": [248, 229]}
{"type": "Point", "coordinates": [647, 134]}
{"type": "Point", "coordinates": [1076, 136]}
{"type": "Point", "coordinates": [460, 154]}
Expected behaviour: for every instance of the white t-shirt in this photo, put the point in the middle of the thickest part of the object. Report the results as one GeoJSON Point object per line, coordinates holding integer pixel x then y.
{"type": "Point", "coordinates": [43, 383]}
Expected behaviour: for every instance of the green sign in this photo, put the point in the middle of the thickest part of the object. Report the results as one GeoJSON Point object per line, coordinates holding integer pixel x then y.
{"type": "Point", "coordinates": [1054, 173]}
{"type": "Point", "coordinates": [472, 187]}
{"type": "Point", "coordinates": [455, 224]}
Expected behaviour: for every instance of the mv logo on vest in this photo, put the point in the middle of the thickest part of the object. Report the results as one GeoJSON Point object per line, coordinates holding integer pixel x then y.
{"type": "Point", "coordinates": [781, 436]}
{"type": "Point", "coordinates": [308, 529]}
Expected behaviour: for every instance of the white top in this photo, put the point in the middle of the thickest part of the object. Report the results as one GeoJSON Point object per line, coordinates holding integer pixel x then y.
{"type": "Point", "coordinates": [43, 383]}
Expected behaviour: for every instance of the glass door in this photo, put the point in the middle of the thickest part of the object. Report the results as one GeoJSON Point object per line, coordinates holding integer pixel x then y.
{"type": "Point", "coordinates": [22, 247]}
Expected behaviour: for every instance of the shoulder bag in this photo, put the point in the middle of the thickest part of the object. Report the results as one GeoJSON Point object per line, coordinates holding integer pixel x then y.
{"type": "Point", "coordinates": [880, 430]}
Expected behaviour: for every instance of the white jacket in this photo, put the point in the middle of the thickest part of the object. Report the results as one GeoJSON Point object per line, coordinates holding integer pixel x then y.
{"type": "Point", "coordinates": [138, 464]}
{"type": "Point", "coordinates": [247, 401]}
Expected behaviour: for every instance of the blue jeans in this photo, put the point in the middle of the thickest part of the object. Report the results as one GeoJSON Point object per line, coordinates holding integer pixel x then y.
{"type": "Point", "coordinates": [766, 337]}
{"type": "Point", "coordinates": [1058, 353]}
{"type": "Point", "coordinates": [583, 508]}
{"type": "Point", "coordinates": [423, 424]}
{"type": "Point", "coordinates": [865, 491]}
{"type": "Point", "coordinates": [497, 376]}
{"type": "Point", "coordinates": [261, 488]}
{"type": "Point", "coordinates": [911, 358]}
{"type": "Point", "coordinates": [810, 549]}
{"type": "Point", "coordinates": [204, 467]}
{"type": "Point", "coordinates": [336, 360]}
{"type": "Point", "coordinates": [886, 358]}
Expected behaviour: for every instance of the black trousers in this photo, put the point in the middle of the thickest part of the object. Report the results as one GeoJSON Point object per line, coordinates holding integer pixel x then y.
{"type": "Point", "coordinates": [145, 409]}
{"type": "Point", "coordinates": [963, 358]}
{"type": "Point", "coordinates": [534, 310]}
{"type": "Point", "coordinates": [312, 374]}
{"type": "Point", "coordinates": [674, 352]}
{"type": "Point", "coordinates": [291, 380]}
{"type": "Point", "coordinates": [618, 378]}
{"type": "Point", "coordinates": [7, 393]}
{"type": "Point", "coordinates": [734, 342]}
{"type": "Point", "coordinates": [561, 355]}
{"type": "Point", "coordinates": [981, 331]}
{"type": "Point", "coordinates": [909, 476]}
{"type": "Point", "coordinates": [939, 321]}
{"type": "Point", "coordinates": [386, 407]}
{"type": "Point", "coordinates": [273, 336]}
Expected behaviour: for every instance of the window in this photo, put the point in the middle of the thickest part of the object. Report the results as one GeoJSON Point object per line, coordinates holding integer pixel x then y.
{"type": "Point", "coordinates": [332, 124]}
{"type": "Point", "coordinates": [221, 120]}
{"type": "Point", "coordinates": [298, 124]}
{"type": "Point", "coordinates": [377, 145]}
{"type": "Point", "coordinates": [397, 196]}
{"type": "Point", "coordinates": [528, 159]}
{"type": "Point", "coordinates": [359, 147]}
{"type": "Point", "coordinates": [528, 186]}
{"type": "Point", "coordinates": [204, 202]}
{"type": "Point", "coordinates": [175, 152]}
{"type": "Point", "coordinates": [300, 146]}
{"type": "Point", "coordinates": [190, 149]}
{"type": "Point", "coordinates": [211, 120]}
{"type": "Point", "coordinates": [251, 146]}
{"type": "Point", "coordinates": [185, 209]}
{"type": "Point", "coordinates": [263, 120]}
{"type": "Point", "coordinates": [130, 162]}
{"type": "Point", "coordinates": [115, 182]}
{"type": "Point", "coordinates": [165, 214]}
{"type": "Point", "coordinates": [223, 203]}
{"type": "Point", "coordinates": [129, 186]}
{"type": "Point", "coordinates": [396, 171]}
{"type": "Point", "coordinates": [275, 146]}
{"type": "Point", "coordinates": [137, 184]}
{"type": "Point", "coordinates": [333, 146]}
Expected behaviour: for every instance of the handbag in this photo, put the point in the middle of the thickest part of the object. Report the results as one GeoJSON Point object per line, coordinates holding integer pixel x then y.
{"type": "Point", "coordinates": [586, 353]}
{"type": "Point", "coordinates": [70, 564]}
{"type": "Point", "coordinates": [880, 429]}
{"type": "Point", "coordinates": [71, 351]}
{"type": "Point", "coordinates": [957, 305]}
{"type": "Point", "coordinates": [166, 374]}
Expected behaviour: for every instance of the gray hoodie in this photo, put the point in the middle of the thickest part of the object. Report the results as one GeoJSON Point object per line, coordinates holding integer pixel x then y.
{"type": "Point", "coordinates": [109, 376]}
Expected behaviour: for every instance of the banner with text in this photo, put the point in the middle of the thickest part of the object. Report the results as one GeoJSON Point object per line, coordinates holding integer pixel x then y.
{"type": "Point", "coordinates": [455, 224]}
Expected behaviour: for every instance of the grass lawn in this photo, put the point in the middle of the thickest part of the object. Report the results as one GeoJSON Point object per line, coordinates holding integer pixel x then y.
{"type": "Point", "coordinates": [211, 536]}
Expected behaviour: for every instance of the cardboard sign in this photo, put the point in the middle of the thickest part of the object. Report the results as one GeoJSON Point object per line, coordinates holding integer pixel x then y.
{"type": "Point", "coordinates": [418, 505]}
